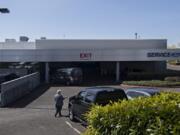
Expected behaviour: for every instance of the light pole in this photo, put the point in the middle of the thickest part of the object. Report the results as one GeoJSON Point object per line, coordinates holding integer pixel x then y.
{"type": "Point", "coordinates": [4, 10]}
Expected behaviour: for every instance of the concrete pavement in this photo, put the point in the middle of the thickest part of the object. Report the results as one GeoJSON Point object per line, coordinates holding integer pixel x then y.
{"type": "Point", "coordinates": [34, 114]}
{"type": "Point", "coordinates": [37, 117]}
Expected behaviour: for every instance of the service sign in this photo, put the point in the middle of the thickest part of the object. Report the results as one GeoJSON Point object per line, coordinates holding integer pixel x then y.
{"type": "Point", "coordinates": [163, 54]}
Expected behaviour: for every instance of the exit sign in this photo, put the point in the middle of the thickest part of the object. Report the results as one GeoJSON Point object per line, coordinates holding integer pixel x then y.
{"type": "Point", "coordinates": [85, 56]}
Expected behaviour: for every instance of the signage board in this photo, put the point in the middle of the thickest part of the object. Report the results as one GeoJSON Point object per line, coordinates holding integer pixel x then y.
{"type": "Point", "coordinates": [85, 56]}
{"type": "Point", "coordinates": [163, 54]}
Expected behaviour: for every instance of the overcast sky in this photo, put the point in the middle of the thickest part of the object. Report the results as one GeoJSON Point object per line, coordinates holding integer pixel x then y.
{"type": "Point", "coordinates": [90, 19]}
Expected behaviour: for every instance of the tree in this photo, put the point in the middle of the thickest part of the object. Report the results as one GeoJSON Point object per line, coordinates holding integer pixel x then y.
{"type": "Point", "coordinates": [4, 10]}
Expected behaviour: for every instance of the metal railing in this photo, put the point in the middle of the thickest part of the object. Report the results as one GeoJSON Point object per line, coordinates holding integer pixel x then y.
{"type": "Point", "coordinates": [17, 88]}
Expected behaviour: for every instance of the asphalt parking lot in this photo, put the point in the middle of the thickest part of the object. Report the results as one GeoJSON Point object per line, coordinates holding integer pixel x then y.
{"type": "Point", "coordinates": [34, 114]}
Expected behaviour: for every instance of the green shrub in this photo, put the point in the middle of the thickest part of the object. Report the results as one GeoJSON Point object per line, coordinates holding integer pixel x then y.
{"type": "Point", "coordinates": [150, 75]}
{"type": "Point", "coordinates": [172, 79]}
{"type": "Point", "coordinates": [144, 76]}
{"type": "Point", "coordinates": [174, 62]}
{"type": "Point", "coordinates": [153, 83]}
{"type": "Point", "coordinates": [158, 115]}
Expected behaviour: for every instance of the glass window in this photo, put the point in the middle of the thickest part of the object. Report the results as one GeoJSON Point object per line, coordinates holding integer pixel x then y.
{"type": "Point", "coordinates": [89, 98]}
{"type": "Point", "coordinates": [107, 96]}
{"type": "Point", "coordinates": [134, 94]}
{"type": "Point", "coordinates": [81, 95]}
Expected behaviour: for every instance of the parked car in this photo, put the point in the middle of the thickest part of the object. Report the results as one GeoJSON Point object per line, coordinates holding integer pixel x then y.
{"type": "Point", "coordinates": [67, 76]}
{"type": "Point", "coordinates": [141, 92]}
{"type": "Point", "coordinates": [82, 102]}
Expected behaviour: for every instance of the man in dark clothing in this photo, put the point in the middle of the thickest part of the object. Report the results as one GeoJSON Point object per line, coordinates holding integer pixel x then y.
{"type": "Point", "coordinates": [58, 102]}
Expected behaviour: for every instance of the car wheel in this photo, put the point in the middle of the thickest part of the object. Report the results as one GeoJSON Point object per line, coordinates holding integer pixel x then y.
{"type": "Point", "coordinates": [71, 114]}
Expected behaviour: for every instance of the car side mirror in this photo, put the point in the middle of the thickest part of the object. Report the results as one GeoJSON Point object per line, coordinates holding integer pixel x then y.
{"type": "Point", "coordinates": [78, 98]}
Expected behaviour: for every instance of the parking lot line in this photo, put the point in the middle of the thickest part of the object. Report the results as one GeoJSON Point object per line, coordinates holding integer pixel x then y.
{"type": "Point", "coordinates": [76, 130]}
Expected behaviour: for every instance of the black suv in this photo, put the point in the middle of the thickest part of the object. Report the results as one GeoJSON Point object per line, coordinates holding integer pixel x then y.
{"type": "Point", "coordinates": [81, 103]}
{"type": "Point", "coordinates": [67, 76]}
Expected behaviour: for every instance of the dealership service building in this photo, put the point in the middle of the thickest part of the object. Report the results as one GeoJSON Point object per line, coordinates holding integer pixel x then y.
{"type": "Point", "coordinates": [95, 56]}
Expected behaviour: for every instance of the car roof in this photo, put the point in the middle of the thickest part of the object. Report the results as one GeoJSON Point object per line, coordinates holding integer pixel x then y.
{"type": "Point", "coordinates": [150, 91]}
{"type": "Point", "coordinates": [68, 69]}
{"type": "Point", "coordinates": [96, 90]}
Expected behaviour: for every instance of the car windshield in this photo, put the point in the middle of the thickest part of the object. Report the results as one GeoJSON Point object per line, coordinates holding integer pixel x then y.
{"type": "Point", "coordinates": [70, 71]}
{"type": "Point", "coordinates": [76, 72]}
{"type": "Point", "coordinates": [63, 72]}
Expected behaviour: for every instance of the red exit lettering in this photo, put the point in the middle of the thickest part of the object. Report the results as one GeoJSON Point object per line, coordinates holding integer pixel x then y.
{"type": "Point", "coordinates": [85, 55]}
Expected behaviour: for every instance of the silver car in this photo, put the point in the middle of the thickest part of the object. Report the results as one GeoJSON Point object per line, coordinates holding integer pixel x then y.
{"type": "Point", "coordinates": [141, 92]}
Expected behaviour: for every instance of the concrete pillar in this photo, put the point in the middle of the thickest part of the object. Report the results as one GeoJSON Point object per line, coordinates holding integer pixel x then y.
{"type": "Point", "coordinates": [47, 72]}
{"type": "Point", "coordinates": [117, 71]}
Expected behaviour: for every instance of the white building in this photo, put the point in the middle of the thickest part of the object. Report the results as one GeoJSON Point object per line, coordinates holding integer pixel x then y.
{"type": "Point", "coordinates": [106, 56]}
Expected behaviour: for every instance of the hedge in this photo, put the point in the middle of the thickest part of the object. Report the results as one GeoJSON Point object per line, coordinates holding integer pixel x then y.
{"type": "Point", "coordinates": [158, 115]}
{"type": "Point", "coordinates": [174, 62]}
{"type": "Point", "coordinates": [153, 83]}
{"type": "Point", "coordinates": [150, 75]}
{"type": "Point", "coordinates": [172, 79]}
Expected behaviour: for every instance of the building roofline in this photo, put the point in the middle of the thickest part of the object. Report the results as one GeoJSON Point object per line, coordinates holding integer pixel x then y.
{"type": "Point", "coordinates": [102, 39]}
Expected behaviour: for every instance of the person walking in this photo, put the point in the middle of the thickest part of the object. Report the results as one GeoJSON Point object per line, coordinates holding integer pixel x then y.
{"type": "Point", "coordinates": [58, 97]}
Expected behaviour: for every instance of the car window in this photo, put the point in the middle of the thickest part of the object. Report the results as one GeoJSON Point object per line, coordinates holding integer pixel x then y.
{"type": "Point", "coordinates": [62, 73]}
{"type": "Point", "coordinates": [107, 96]}
{"type": "Point", "coordinates": [81, 95]}
{"type": "Point", "coordinates": [135, 94]}
{"type": "Point", "coordinates": [89, 98]}
{"type": "Point", "coordinates": [76, 73]}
